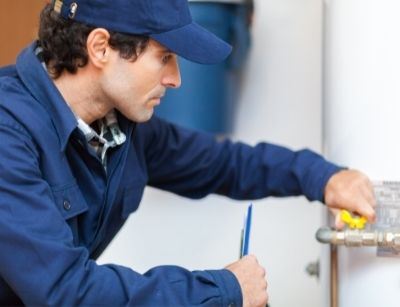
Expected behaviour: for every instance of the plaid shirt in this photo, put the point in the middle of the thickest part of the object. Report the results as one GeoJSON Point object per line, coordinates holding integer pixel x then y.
{"type": "Point", "coordinates": [110, 134]}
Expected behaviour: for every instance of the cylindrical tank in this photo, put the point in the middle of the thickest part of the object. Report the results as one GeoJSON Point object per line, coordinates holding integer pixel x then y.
{"type": "Point", "coordinates": [362, 126]}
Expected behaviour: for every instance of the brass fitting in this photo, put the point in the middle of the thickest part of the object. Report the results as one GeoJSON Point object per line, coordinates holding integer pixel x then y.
{"type": "Point", "coordinates": [356, 237]}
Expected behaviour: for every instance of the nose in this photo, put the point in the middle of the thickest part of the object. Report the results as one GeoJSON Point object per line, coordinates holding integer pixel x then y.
{"type": "Point", "coordinates": [172, 77]}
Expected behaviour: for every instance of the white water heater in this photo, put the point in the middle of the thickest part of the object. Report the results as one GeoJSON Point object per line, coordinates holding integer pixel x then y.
{"type": "Point", "coordinates": [362, 128]}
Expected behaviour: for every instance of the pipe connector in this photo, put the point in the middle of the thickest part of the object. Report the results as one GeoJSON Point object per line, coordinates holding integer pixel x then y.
{"type": "Point", "coordinates": [356, 237]}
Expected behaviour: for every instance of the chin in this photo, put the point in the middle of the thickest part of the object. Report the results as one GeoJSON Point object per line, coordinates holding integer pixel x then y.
{"type": "Point", "coordinates": [142, 118]}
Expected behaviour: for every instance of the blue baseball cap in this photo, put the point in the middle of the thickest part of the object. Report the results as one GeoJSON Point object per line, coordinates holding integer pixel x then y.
{"type": "Point", "coordinates": [166, 21]}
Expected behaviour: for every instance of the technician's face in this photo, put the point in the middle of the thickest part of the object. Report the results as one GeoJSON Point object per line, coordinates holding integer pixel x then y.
{"type": "Point", "coordinates": [135, 88]}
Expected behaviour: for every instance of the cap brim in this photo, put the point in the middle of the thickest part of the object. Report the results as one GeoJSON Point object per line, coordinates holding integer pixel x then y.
{"type": "Point", "coordinates": [195, 44]}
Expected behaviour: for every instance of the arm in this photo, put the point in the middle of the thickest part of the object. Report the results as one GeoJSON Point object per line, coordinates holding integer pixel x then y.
{"type": "Point", "coordinates": [194, 164]}
{"type": "Point", "coordinates": [43, 265]}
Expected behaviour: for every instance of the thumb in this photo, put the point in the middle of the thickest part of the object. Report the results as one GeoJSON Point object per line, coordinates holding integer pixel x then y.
{"type": "Point", "coordinates": [339, 224]}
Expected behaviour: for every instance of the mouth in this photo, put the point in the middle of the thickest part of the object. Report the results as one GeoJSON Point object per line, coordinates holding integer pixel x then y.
{"type": "Point", "coordinates": [158, 98]}
{"type": "Point", "coordinates": [155, 101]}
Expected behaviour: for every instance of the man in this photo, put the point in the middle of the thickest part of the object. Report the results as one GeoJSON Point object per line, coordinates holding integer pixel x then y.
{"type": "Point", "coordinates": [79, 144]}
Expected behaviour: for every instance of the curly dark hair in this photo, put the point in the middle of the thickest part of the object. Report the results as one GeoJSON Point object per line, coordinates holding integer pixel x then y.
{"type": "Point", "coordinates": [64, 43]}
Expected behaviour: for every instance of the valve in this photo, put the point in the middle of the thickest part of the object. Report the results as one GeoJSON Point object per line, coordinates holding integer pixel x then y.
{"type": "Point", "coordinates": [357, 222]}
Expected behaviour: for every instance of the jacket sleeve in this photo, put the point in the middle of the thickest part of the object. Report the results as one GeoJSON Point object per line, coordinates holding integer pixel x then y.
{"type": "Point", "coordinates": [41, 263]}
{"type": "Point", "coordinates": [195, 164]}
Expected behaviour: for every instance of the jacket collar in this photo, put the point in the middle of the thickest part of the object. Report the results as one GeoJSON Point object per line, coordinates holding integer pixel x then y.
{"type": "Point", "coordinates": [42, 88]}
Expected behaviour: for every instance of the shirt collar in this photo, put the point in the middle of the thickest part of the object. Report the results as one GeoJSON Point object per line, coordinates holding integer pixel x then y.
{"type": "Point", "coordinates": [42, 88]}
{"type": "Point", "coordinates": [108, 125]}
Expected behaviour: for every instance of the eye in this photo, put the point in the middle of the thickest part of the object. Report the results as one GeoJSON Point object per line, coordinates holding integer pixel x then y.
{"type": "Point", "coordinates": [166, 58]}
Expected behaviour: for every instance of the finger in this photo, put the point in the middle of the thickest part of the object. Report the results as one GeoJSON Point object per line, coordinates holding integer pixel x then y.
{"type": "Point", "coordinates": [371, 215]}
{"type": "Point", "coordinates": [339, 224]}
{"type": "Point", "coordinates": [263, 272]}
{"type": "Point", "coordinates": [369, 201]}
{"type": "Point", "coordinates": [264, 285]}
{"type": "Point", "coordinates": [338, 221]}
{"type": "Point", "coordinates": [252, 258]}
{"type": "Point", "coordinates": [366, 210]}
{"type": "Point", "coordinates": [263, 299]}
{"type": "Point", "coordinates": [364, 204]}
{"type": "Point", "coordinates": [369, 195]}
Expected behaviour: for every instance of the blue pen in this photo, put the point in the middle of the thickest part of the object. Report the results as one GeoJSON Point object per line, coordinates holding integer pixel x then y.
{"type": "Point", "coordinates": [245, 240]}
{"type": "Point", "coordinates": [244, 249]}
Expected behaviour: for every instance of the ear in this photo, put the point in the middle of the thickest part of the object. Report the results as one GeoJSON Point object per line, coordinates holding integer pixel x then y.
{"type": "Point", "coordinates": [97, 47]}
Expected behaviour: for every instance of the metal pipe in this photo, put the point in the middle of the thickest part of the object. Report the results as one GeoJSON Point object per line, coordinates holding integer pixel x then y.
{"type": "Point", "coordinates": [334, 276]}
{"type": "Point", "coordinates": [350, 237]}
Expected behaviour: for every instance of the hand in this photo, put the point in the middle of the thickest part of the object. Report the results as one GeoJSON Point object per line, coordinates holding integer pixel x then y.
{"type": "Point", "coordinates": [353, 191]}
{"type": "Point", "coordinates": [251, 277]}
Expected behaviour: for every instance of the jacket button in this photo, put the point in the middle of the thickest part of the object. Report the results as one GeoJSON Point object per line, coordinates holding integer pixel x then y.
{"type": "Point", "coordinates": [66, 205]}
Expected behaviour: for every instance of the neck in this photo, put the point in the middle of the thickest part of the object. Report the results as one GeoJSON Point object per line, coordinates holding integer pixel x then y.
{"type": "Point", "coordinates": [82, 95]}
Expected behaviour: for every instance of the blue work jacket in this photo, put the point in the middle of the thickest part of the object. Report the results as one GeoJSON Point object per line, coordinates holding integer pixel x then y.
{"type": "Point", "coordinates": [59, 209]}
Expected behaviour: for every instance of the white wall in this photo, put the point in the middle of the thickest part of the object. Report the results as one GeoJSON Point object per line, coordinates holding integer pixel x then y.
{"type": "Point", "coordinates": [280, 103]}
{"type": "Point", "coordinates": [362, 126]}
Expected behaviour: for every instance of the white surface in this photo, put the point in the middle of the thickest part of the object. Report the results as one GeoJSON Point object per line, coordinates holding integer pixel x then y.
{"type": "Point", "coordinates": [362, 125]}
{"type": "Point", "coordinates": [281, 103]}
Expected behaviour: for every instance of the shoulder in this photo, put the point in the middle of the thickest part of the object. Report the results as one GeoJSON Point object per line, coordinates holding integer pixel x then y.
{"type": "Point", "coordinates": [18, 108]}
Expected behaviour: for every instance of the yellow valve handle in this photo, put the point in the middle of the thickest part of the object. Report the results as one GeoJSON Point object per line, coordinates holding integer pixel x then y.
{"type": "Point", "coordinates": [353, 222]}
